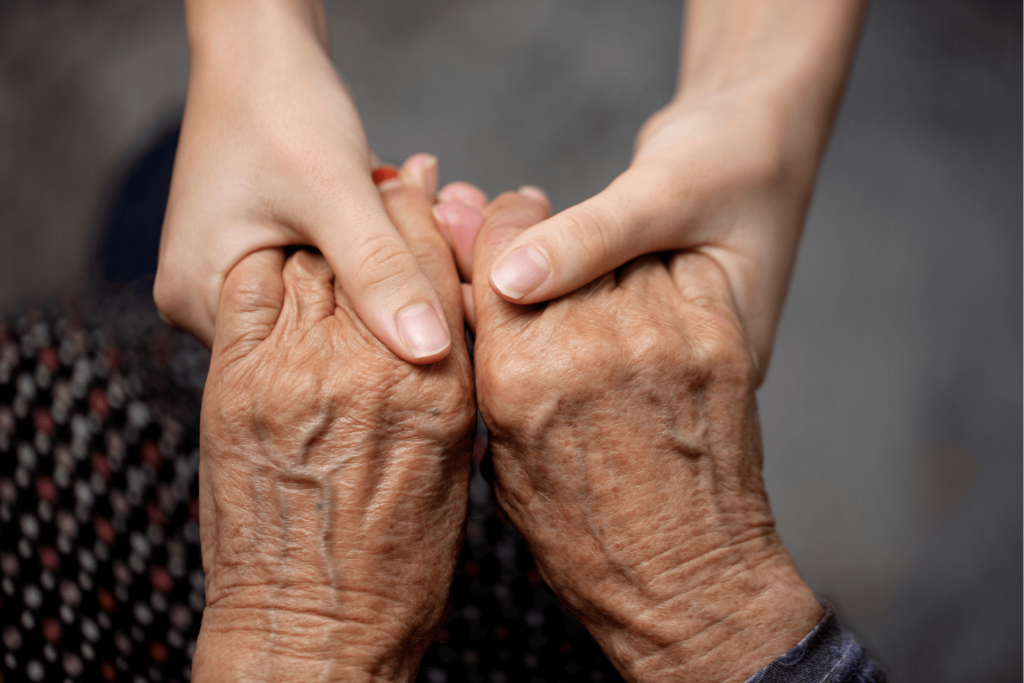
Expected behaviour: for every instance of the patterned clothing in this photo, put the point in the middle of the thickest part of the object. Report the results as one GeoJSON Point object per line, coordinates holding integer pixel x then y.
{"type": "Point", "coordinates": [100, 569]}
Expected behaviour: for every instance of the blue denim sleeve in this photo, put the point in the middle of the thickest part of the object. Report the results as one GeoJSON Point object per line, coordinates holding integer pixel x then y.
{"type": "Point", "coordinates": [828, 654]}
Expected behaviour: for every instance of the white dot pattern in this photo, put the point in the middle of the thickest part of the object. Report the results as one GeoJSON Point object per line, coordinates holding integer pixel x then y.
{"type": "Point", "coordinates": [100, 570]}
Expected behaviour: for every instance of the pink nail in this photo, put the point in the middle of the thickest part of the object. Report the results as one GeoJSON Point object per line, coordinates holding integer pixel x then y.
{"type": "Point", "coordinates": [463, 193]}
{"type": "Point", "coordinates": [421, 330]}
{"type": "Point", "coordinates": [520, 272]}
{"type": "Point", "coordinates": [533, 192]}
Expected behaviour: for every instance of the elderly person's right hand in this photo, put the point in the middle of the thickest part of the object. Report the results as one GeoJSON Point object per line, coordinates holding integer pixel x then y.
{"type": "Point", "coordinates": [626, 451]}
{"type": "Point", "coordinates": [334, 475]}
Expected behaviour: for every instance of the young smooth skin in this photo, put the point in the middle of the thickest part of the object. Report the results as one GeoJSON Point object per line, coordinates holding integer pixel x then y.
{"type": "Point", "coordinates": [333, 477]}
{"type": "Point", "coordinates": [627, 452]}
{"type": "Point", "coordinates": [272, 153]}
{"type": "Point", "coordinates": [726, 168]}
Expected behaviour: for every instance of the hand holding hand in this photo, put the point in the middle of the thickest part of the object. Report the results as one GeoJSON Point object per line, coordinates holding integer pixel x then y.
{"type": "Point", "coordinates": [627, 452]}
{"type": "Point", "coordinates": [725, 170]}
{"type": "Point", "coordinates": [334, 476]}
{"type": "Point", "coordinates": [272, 153]}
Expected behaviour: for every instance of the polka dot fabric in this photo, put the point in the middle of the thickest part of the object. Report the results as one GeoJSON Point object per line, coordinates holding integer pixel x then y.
{"type": "Point", "coordinates": [505, 624]}
{"type": "Point", "coordinates": [100, 568]}
{"type": "Point", "coordinates": [100, 572]}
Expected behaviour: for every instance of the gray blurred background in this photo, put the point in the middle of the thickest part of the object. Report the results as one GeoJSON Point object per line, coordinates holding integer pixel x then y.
{"type": "Point", "coordinates": [892, 412]}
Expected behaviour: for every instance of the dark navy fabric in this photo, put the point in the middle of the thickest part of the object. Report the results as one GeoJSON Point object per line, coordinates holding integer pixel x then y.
{"type": "Point", "coordinates": [828, 654]}
{"type": "Point", "coordinates": [130, 243]}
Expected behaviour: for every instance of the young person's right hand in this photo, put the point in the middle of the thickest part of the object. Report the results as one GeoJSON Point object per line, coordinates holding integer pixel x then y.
{"type": "Point", "coordinates": [272, 153]}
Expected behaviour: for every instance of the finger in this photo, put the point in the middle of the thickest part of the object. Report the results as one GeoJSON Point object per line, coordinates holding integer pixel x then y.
{"type": "Point", "coordinates": [459, 215]}
{"type": "Point", "coordinates": [382, 278]}
{"type": "Point", "coordinates": [460, 224]}
{"type": "Point", "coordinates": [465, 194]}
{"type": "Point", "coordinates": [702, 281]}
{"type": "Point", "coordinates": [308, 290]}
{"type": "Point", "coordinates": [420, 170]}
{"type": "Point", "coordinates": [504, 220]}
{"type": "Point", "coordinates": [588, 240]}
{"type": "Point", "coordinates": [408, 204]}
{"type": "Point", "coordinates": [468, 307]}
{"type": "Point", "coordinates": [250, 302]}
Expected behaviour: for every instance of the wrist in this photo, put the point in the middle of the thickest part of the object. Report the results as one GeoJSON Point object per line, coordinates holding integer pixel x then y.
{"type": "Point", "coordinates": [788, 59]}
{"type": "Point", "coordinates": [274, 645]}
{"type": "Point", "coordinates": [220, 29]}
{"type": "Point", "coordinates": [743, 615]}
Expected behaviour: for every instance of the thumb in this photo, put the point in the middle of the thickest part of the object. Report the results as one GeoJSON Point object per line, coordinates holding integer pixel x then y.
{"type": "Point", "coordinates": [505, 219]}
{"type": "Point", "coordinates": [632, 217]}
{"type": "Point", "coordinates": [250, 302]}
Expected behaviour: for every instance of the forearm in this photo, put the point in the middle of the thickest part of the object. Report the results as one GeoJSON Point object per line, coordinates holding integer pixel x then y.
{"type": "Point", "coordinates": [229, 26]}
{"type": "Point", "coordinates": [790, 56]}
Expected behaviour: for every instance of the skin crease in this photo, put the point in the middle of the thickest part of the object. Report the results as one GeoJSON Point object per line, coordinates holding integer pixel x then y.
{"type": "Point", "coordinates": [727, 166]}
{"type": "Point", "coordinates": [273, 153]}
{"type": "Point", "coordinates": [625, 433]}
{"type": "Point", "coordinates": [334, 476]}
{"type": "Point", "coordinates": [627, 452]}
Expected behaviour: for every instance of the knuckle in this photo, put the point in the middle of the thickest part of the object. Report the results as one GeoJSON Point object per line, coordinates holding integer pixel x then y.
{"type": "Point", "coordinates": [305, 270]}
{"type": "Point", "coordinates": [591, 232]}
{"type": "Point", "coordinates": [405, 199]}
{"type": "Point", "coordinates": [384, 264]}
{"type": "Point", "coordinates": [717, 352]}
{"type": "Point", "coordinates": [509, 384]}
{"type": "Point", "coordinates": [512, 208]}
{"type": "Point", "coordinates": [252, 293]}
{"type": "Point", "coordinates": [460, 397]}
{"type": "Point", "coordinates": [526, 388]}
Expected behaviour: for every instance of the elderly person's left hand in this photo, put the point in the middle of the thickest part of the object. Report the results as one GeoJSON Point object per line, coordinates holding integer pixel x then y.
{"type": "Point", "coordinates": [626, 451]}
{"type": "Point", "coordinates": [334, 475]}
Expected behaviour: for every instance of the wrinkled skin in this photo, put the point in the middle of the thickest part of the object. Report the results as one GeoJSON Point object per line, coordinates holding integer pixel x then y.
{"type": "Point", "coordinates": [626, 451]}
{"type": "Point", "coordinates": [334, 475]}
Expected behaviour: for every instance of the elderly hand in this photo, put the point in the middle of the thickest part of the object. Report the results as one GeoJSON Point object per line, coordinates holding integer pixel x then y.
{"type": "Point", "coordinates": [626, 451]}
{"type": "Point", "coordinates": [334, 476]}
{"type": "Point", "coordinates": [272, 153]}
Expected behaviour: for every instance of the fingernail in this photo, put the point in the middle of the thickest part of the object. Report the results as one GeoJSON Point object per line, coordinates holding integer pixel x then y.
{"type": "Point", "coordinates": [423, 169]}
{"type": "Point", "coordinates": [386, 178]}
{"type": "Point", "coordinates": [520, 272]}
{"type": "Point", "coordinates": [463, 193]}
{"type": "Point", "coordinates": [421, 330]}
{"type": "Point", "coordinates": [443, 226]}
{"type": "Point", "coordinates": [533, 192]}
